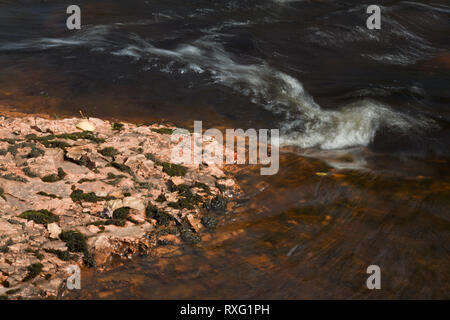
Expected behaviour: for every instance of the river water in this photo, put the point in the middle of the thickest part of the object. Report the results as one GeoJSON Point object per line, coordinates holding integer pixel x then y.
{"type": "Point", "coordinates": [367, 107]}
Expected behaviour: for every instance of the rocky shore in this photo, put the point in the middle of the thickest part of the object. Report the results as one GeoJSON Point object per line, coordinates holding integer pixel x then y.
{"type": "Point", "coordinates": [80, 197]}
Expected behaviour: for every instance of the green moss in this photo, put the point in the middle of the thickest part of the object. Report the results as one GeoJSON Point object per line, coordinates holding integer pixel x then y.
{"type": "Point", "coordinates": [162, 130]}
{"type": "Point", "coordinates": [108, 152]}
{"type": "Point", "coordinates": [187, 198]}
{"type": "Point", "coordinates": [5, 248]}
{"type": "Point", "coordinates": [202, 186]}
{"type": "Point", "coordinates": [40, 216]}
{"type": "Point", "coordinates": [121, 167]}
{"type": "Point", "coordinates": [114, 179]}
{"type": "Point", "coordinates": [13, 149]}
{"type": "Point", "coordinates": [161, 198]}
{"type": "Point", "coordinates": [62, 255]}
{"type": "Point", "coordinates": [2, 193]}
{"type": "Point", "coordinates": [38, 255]}
{"type": "Point", "coordinates": [117, 126]}
{"type": "Point", "coordinates": [162, 218]}
{"type": "Point", "coordinates": [8, 140]}
{"type": "Point", "coordinates": [35, 152]}
{"type": "Point", "coordinates": [142, 185]}
{"type": "Point", "coordinates": [75, 241]}
{"type": "Point", "coordinates": [187, 235]}
{"type": "Point", "coordinates": [102, 223]}
{"type": "Point", "coordinates": [27, 171]}
{"type": "Point", "coordinates": [119, 218]}
{"type": "Point", "coordinates": [85, 135]}
{"type": "Point", "coordinates": [121, 213]}
{"type": "Point", "coordinates": [170, 168]}
{"type": "Point", "coordinates": [13, 177]}
{"type": "Point", "coordinates": [44, 194]}
{"type": "Point", "coordinates": [151, 156]}
{"type": "Point", "coordinates": [209, 222]}
{"type": "Point", "coordinates": [83, 180]}
{"type": "Point", "coordinates": [33, 271]}
{"type": "Point", "coordinates": [67, 136]}
{"type": "Point", "coordinates": [89, 260]}
{"type": "Point", "coordinates": [218, 203]}
{"type": "Point", "coordinates": [55, 177]}
{"type": "Point", "coordinates": [13, 291]}
{"type": "Point", "coordinates": [79, 196]}
{"type": "Point", "coordinates": [221, 187]}
{"type": "Point", "coordinates": [174, 170]}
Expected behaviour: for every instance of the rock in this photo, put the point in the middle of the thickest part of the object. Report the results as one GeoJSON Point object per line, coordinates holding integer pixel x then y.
{"type": "Point", "coordinates": [75, 153]}
{"type": "Point", "coordinates": [177, 180]}
{"type": "Point", "coordinates": [93, 186]}
{"type": "Point", "coordinates": [195, 223]}
{"type": "Point", "coordinates": [100, 188]}
{"type": "Point", "coordinates": [115, 204]}
{"type": "Point", "coordinates": [93, 229]}
{"type": "Point", "coordinates": [134, 203]}
{"type": "Point", "coordinates": [55, 245]}
{"type": "Point", "coordinates": [8, 230]}
{"type": "Point", "coordinates": [227, 182]}
{"type": "Point", "coordinates": [85, 125]}
{"type": "Point", "coordinates": [102, 249]}
{"type": "Point", "coordinates": [54, 230]}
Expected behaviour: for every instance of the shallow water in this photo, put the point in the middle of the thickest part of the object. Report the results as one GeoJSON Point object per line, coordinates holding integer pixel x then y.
{"type": "Point", "coordinates": [371, 106]}
{"type": "Point", "coordinates": [304, 236]}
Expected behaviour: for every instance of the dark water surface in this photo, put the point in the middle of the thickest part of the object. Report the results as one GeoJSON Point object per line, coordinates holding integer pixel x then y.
{"type": "Point", "coordinates": [370, 107]}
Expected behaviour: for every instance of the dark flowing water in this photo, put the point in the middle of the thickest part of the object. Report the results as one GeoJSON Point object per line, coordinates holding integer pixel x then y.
{"type": "Point", "coordinates": [369, 107]}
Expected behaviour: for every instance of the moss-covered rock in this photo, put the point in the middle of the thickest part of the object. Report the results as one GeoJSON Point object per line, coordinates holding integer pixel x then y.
{"type": "Point", "coordinates": [75, 241]}
{"type": "Point", "coordinates": [14, 177]}
{"type": "Point", "coordinates": [33, 271]}
{"type": "Point", "coordinates": [35, 152]}
{"type": "Point", "coordinates": [209, 222]}
{"type": "Point", "coordinates": [40, 216]}
{"type": "Point", "coordinates": [108, 152]}
{"type": "Point", "coordinates": [161, 198]}
{"type": "Point", "coordinates": [49, 195]}
{"type": "Point", "coordinates": [218, 203]}
{"type": "Point", "coordinates": [121, 167]}
{"type": "Point", "coordinates": [162, 130]}
{"type": "Point", "coordinates": [187, 235]}
{"type": "Point", "coordinates": [62, 255]}
{"type": "Point", "coordinates": [55, 177]}
{"type": "Point", "coordinates": [116, 126]}
{"type": "Point", "coordinates": [27, 171]}
{"type": "Point", "coordinates": [78, 195]}
{"type": "Point", "coordinates": [162, 217]}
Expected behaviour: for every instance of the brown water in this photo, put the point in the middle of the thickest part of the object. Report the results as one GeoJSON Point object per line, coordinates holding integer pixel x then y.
{"type": "Point", "coordinates": [305, 236]}
{"type": "Point", "coordinates": [376, 100]}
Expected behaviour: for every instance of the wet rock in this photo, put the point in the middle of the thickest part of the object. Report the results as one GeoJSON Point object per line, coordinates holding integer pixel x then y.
{"type": "Point", "coordinates": [194, 223]}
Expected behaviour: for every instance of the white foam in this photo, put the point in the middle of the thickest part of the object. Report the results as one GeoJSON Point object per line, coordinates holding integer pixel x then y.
{"type": "Point", "coordinates": [303, 123]}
